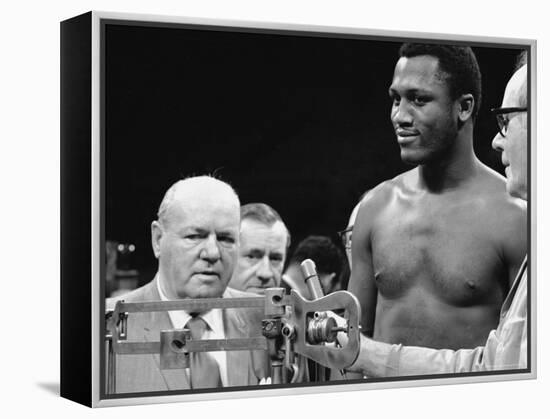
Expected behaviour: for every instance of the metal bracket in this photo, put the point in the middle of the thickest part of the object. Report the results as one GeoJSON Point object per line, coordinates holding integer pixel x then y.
{"type": "Point", "coordinates": [173, 351]}
{"type": "Point", "coordinates": [305, 320]}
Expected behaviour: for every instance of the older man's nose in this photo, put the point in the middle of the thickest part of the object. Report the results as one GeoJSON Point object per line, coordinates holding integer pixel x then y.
{"type": "Point", "coordinates": [265, 272]}
{"type": "Point", "coordinates": [498, 142]}
{"type": "Point", "coordinates": [210, 251]}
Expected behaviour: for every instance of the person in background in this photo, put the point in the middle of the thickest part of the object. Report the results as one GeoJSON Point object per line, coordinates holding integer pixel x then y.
{"type": "Point", "coordinates": [329, 262]}
{"type": "Point", "coordinates": [264, 241]}
{"type": "Point", "coordinates": [347, 233]}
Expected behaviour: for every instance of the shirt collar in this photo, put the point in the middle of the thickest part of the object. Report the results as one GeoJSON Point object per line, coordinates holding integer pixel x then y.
{"type": "Point", "coordinates": [179, 318]}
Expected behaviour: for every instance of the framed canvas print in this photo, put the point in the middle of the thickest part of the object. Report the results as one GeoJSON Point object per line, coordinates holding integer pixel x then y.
{"type": "Point", "coordinates": [262, 209]}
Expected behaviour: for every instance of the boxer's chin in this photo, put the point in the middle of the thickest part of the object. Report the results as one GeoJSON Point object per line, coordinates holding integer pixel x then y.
{"type": "Point", "coordinates": [412, 157]}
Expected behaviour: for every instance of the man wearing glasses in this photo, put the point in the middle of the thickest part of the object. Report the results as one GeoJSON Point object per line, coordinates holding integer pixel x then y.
{"type": "Point", "coordinates": [506, 347]}
{"type": "Point", "coordinates": [432, 262]}
{"type": "Point", "coordinates": [346, 234]}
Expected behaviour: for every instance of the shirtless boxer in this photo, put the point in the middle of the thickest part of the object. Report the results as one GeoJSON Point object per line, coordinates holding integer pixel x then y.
{"type": "Point", "coordinates": [436, 248]}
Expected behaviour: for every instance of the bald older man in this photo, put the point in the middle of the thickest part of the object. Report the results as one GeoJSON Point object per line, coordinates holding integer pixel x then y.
{"type": "Point", "coordinates": [195, 240]}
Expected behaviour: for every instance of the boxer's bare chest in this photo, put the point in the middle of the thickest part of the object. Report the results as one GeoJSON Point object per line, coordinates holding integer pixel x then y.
{"type": "Point", "coordinates": [443, 247]}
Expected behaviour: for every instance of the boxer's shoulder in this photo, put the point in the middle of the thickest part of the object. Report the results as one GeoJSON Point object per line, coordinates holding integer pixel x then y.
{"type": "Point", "coordinates": [383, 193]}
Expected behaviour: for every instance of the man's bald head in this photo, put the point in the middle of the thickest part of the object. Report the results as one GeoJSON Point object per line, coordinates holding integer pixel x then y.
{"type": "Point", "coordinates": [196, 238]}
{"type": "Point", "coordinates": [194, 190]}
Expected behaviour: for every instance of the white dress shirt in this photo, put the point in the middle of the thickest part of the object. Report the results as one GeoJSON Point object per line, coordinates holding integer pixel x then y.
{"type": "Point", "coordinates": [214, 322]}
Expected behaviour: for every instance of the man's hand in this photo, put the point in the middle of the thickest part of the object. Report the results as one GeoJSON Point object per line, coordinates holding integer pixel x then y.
{"type": "Point", "coordinates": [341, 337]}
{"type": "Point", "coordinates": [265, 381]}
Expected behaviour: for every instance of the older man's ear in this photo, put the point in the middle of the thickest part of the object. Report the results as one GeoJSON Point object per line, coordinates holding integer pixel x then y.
{"type": "Point", "coordinates": [156, 236]}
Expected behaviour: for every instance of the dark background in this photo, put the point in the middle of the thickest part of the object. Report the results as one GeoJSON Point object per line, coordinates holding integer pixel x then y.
{"type": "Point", "coordinates": [299, 121]}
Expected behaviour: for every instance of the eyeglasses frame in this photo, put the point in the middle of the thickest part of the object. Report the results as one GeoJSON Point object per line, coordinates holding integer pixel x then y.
{"type": "Point", "coordinates": [498, 112]}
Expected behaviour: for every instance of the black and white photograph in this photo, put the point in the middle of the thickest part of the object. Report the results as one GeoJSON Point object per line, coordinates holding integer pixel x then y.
{"type": "Point", "coordinates": [297, 208]}
{"type": "Point", "coordinates": [275, 209]}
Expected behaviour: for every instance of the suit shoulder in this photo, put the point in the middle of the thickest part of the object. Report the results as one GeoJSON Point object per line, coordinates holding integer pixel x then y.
{"type": "Point", "coordinates": [135, 295]}
{"type": "Point", "coordinates": [247, 318]}
{"type": "Point", "coordinates": [234, 293]}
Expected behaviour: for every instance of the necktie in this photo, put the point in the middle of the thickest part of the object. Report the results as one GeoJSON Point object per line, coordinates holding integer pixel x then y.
{"type": "Point", "coordinates": [204, 369]}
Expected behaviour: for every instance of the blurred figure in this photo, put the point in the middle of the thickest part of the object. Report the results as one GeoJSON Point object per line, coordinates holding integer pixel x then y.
{"type": "Point", "coordinates": [346, 234]}
{"type": "Point", "coordinates": [328, 259]}
{"type": "Point", "coordinates": [264, 240]}
{"type": "Point", "coordinates": [120, 275]}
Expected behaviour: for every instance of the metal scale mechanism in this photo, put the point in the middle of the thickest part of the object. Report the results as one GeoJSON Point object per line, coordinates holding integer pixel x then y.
{"type": "Point", "coordinates": [292, 326]}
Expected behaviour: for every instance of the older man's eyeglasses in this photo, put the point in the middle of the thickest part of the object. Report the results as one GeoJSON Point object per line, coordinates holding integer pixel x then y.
{"type": "Point", "coordinates": [503, 116]}
{"type": "Point", "coordinates": [345, 236]}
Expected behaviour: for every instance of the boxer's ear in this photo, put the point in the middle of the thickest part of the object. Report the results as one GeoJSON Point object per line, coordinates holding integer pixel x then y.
{"type": "Point", "coordinates": [465, 105]}
{"type": "Point", "coordinates": [156, 236]}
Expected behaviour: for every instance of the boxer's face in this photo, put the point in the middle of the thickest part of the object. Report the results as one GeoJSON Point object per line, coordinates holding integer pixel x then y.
{"type": "Point", "coordinates": [423, 113]}
{"type": "Point", "coordinates": [514, 144]}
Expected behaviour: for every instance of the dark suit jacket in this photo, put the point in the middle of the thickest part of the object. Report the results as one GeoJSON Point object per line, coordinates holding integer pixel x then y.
{"type": "Point", "coordinates": [142, 373]}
